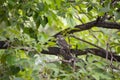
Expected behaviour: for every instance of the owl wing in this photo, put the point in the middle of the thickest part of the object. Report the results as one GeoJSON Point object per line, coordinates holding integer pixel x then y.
{"type": "Point", "coordinates": [62, 43]}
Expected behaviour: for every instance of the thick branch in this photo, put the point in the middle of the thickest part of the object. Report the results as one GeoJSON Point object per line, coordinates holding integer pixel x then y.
{"type": "Point", "coordinates": [78, 28]}
{"type": "Point", "coordinates": [56, 51]}
{"type": "Point", "coordinates": [89, 25]}
{"type": "Point", "coordinates": [94, 51]}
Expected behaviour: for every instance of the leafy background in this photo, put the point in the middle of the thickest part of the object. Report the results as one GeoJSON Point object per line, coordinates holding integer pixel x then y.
{"type": "Point", "coordinates": [31, 23]}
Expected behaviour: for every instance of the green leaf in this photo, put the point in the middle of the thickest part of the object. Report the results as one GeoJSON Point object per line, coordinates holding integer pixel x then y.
{"type": "Point", "coordinates": [118, 49]}
{"type": "Point", "coordinates": [38, 21]}
{"type": "Point", "coordinates": [41, 6]}
{"type": "Point", "coordinates": [106, 8]}
{"type": "Point", "coordinates": [117, 15]}
{"type": "Point", "coordinates": [44, 21]}
{"type": "Point", "coordinates": [11, 59]}
{"type": "Point", "coordinates": [70, 21]}
{"type": "Point", "coordinates": [89, 8]}
{"type": "Point", "coordinates": [31, 32]}
{"type": "Point", "coordinates": [14, 69]}
{"type": "Point", "coordinates": [3, 58]}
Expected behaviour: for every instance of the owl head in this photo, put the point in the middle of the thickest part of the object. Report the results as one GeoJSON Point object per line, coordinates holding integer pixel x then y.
{"type": "Point", "coordinates": [60, 37]}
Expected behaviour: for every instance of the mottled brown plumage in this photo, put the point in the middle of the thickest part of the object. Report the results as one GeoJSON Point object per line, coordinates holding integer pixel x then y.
{"type": "Point", "coordinates": [64, 47]}
{"type": "Point", "coordinates": [65, 50]}
{"type": "Point", "coordinates": [62, 42]}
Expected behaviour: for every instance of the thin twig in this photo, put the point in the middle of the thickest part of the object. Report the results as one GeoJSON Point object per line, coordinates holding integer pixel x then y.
{"type": "Point", "coordinates": [91, 33]}
{"type": "Point", "coordinates": [86, 42]}
{"type": "Point", "coordinates": [107, 46]}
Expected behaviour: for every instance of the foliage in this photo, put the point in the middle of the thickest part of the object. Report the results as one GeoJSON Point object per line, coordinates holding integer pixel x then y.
{"type": "Point", "coordinates": [30, 24]}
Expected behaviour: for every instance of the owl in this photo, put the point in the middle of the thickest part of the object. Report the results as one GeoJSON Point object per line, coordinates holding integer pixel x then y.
{"type": "Point", "coordinates": [62, 42]}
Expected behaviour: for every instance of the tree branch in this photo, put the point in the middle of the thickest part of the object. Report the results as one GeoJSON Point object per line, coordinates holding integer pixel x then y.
{"type": "Point", "coordinates": [94, 51]}
{"type": "Point", "coordinates": [89, 25]}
